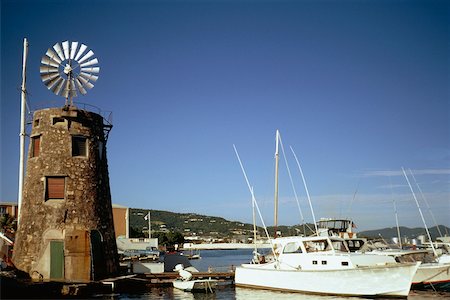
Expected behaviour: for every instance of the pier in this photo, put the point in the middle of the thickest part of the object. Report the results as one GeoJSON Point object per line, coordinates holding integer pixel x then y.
{"type": "Point", "coordinates": [167, 278]}
{"type": "Point", "coordinates": [14, 288]}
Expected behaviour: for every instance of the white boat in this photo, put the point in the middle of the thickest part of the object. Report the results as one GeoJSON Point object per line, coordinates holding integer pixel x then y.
{"type": "Point", "coordinates": [323, 265]}
{"type": "Point", "coordinates": [431, 273]}
{"type": "Point", "coordinates": [187, 284]}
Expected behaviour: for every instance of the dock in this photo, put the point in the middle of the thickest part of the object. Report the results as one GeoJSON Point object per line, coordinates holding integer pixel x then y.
{"type": "Point", "coordinates": [167, 278]}
{"type": "Point", "coordinates": [13, 287]}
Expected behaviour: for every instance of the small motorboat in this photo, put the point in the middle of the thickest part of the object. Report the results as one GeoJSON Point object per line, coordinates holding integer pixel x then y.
{"type": "Point", "coordinates": [187, 284]}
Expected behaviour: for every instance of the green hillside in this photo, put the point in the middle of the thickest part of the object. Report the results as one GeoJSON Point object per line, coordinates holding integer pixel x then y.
{"type": "Point", "coordinates": [192, 224]}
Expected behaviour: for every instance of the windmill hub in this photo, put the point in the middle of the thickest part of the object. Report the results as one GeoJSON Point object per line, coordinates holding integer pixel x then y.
{"type": "Point", "coordinates": [67, 69]}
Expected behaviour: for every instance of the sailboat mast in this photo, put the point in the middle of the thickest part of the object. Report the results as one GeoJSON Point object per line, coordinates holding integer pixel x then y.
{"type": "Point", "coordinates": [22, 128]}
{"type": "Point", "coordinates": [398, 227]}
{"type": "Point", "coordinates": [420, 211]}
{"type": "Point", "coordinates": [254, 222]}
{"type": "Point", "coordinates": [277, 157]}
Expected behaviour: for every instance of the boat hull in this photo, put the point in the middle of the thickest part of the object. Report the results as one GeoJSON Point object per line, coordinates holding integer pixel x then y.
{"type": "Point", "coordinates": [389, 280]}
{"type": "Point", "coordinates": [432, 275]}
{"type": "Point", "coordinates": [199, 285]}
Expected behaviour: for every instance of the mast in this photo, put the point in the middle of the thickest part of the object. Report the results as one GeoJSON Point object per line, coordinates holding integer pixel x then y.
{"type": "Point", "coordinates": [396, 216]}
{"type": "Point", "coordinates": [254, 222]}
{"type": "Point", "coordinates": [420, 211]}
{"type": "Point", "coordinates": [277, 157]}
{"type": "Point", "coordinates": [22, 128]}
{"type": "Point", "coordinates": [398, 227]}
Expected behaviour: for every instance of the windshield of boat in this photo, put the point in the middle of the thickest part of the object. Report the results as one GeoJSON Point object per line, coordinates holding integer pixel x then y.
{"type": "Point", "coordinates": [317, 245]}
{"type": "Point", "coordinates": [355, 245]}
{"type": "Point", "coordinates": [292, 247]}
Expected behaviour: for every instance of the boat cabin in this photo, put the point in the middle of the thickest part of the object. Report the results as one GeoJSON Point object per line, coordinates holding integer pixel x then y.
{"type": "Point", "coordinates": [336, 227]}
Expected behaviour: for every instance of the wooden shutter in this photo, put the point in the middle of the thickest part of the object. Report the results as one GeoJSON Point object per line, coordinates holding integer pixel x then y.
{"type": "Point", "coordinates": [55, 187]}
{"type": "Point", "coordinates": [36, 146]}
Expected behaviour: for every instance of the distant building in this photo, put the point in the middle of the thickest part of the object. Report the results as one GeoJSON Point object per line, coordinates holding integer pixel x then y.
{"type": "Point", "coordinates": [66, 229]}
{"type": "Point", "coordinates": [121, 220]}
{"type": "Point", "coordinates": [9, 208]}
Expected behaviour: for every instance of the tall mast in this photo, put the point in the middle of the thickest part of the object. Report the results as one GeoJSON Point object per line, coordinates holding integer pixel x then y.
{"type": "Point", "coordinates": [276, 183]}
{"type": "Point", "coordinates": [398, 227]}
{"type": "Point", "coordinates": [22, 128]}
{"type": "Point", "coordinates": [420, 211]}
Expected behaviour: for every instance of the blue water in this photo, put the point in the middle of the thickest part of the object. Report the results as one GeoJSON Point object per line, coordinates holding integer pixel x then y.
{"type": "Point", "coordinates": [223, 260]}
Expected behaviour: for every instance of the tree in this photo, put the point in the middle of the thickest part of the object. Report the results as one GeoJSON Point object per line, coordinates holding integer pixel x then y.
{"type": "Point", "coordinates": [8, 224]}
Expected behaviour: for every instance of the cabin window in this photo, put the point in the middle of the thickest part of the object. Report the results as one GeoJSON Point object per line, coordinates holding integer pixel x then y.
{"type": "Point", "coordinates": [344, 263]}
{"type": "Point", "coordinates": [292, 248]}
{"type": "Point", "coordinates": [339, 246]}
{"type": "Point", "coordinates": [35, 145]}
{"type": "Point", "coordinates": [314, 262]}
{"type": "Point", "coordinates": [324, 262]}
{"type": "Point", "coordinates": [319, 245]}
{"type": "Point", "coordinates": [79, 146]}
{"type": "Point", "coordinates": [55, 188]}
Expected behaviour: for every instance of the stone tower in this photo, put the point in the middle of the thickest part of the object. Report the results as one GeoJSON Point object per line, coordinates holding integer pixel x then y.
{"type": "Point", "coordinates": [66, 229]}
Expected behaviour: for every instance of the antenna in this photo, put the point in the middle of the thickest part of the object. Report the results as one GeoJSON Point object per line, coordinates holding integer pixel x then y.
{"type": "Point", "coordinates": [67, 70]}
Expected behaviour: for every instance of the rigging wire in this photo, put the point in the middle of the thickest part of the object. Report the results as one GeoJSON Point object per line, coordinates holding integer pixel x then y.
{"type": "Point", "coordinates": [292, 184]}
{"type": "Point", "coordinates": [420, 211]}
{"type": "Point", "coordinates": [426, 202]}
{"type": "Point", "coordinates": [256, 203]}
{"type": "Point", "coordinates": [307, 192]}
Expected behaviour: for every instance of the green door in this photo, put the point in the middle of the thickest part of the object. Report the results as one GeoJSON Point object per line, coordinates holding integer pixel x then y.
{"type": "Point", "coordinates": [56, 260]}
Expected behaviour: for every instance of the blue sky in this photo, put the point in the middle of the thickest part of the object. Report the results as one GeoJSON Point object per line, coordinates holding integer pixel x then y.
{"type": "Point", "coordinates": [358, 88]}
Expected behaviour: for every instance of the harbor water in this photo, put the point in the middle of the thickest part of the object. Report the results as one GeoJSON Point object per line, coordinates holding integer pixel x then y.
{"type": "Point", "coordinates": [223, 260]}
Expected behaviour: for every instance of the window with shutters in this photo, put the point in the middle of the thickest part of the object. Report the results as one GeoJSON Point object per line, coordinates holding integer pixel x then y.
{"type": "Point", "coordinates": [79, 146]}
{"type": "Point", "coordinates": [35, 145]}
{"type": "Point", "coordinates": [55, 188]}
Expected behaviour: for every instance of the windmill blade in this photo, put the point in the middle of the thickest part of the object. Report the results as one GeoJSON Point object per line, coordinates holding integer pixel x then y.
{"type": "Point", "coordinates": [73, 49]}
{"type": "Point", "coordinates": [57, 88]}
{"type": "Point", "coordinates": [80, 86]}
{"type": "Point", "coordinates": [66, 90]}
{"type": "Point", "coordinates": [89, 77]}
{"type": "Point", "coordinates": [65, 45]}
{"type": "Point", "coordinates": [90, 63]}
{"type": "Point", "coordinates": [83, 48]}
{"type": "Point", "coordinates": [47, 69]}
{"type": "Point", "coordinates": [59, 51]}
{"type": "Point", "coordinates": [86, 56]}
{"type": "Point", "coordinates": [91, 70]}
{"type": "Point", "coordinates": [47, 61]}
{"type": "Point", "coordinates": [53, 56]}
{"type": "Point", "coordinates": [47, 77]}
{"type": "Point", "coordinates": [52, 83]}
{"type": "Point", "coordinates": [86, 83]}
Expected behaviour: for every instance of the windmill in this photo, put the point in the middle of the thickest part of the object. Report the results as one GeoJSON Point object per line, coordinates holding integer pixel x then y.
{"type": "Point", "coordinates": [67, 153]}
{"type": "Point", "coordinates": [68, 70]}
